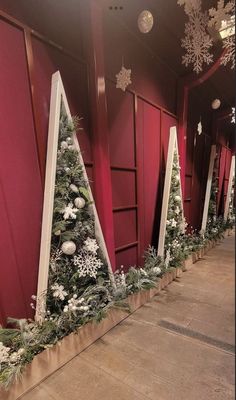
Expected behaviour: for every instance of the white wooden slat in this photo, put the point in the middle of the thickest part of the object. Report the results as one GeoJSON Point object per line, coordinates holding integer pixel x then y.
{"type": "Point", "coordinates": [230, 185]}
{"type": "Point", "coordinates": [208, 188]}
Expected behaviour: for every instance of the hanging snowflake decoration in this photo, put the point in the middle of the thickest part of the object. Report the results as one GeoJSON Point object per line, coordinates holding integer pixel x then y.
{"type": "Point", "coordinates": [123, 78]}
{"type": "Point", "coordinates": [229, 56]}
{"type": "Point", "coordinates": [196, 41]}
{"type": "Point", "coordinates": [91, 245]}
{"type": "Point", "coordinates": [233, 115]}
{"type": "Point", "coordinates": [88, 264]}
{"type": "Point", "coordinates": [221, 13]}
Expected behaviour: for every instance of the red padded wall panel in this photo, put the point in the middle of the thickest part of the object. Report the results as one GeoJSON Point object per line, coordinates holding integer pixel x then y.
{"type": "Point", "coordinates": [20, 179]}
{"type": "Point", "coordinates": [47, 60]}
{"type": "Point", "coordinates": [127, 258]}
{"type": "Point", "coordinates": [123, 188]}
{"type": "Point", "coordinates": [149, 152]}
{"type": "Point", "coordinates": [121, 127]}
{"type": "Point", "coordinates": [125, 227]}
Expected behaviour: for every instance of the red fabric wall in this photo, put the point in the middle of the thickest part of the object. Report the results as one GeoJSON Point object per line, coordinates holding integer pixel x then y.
{"type": "Point", "coordinates": [20, 185]}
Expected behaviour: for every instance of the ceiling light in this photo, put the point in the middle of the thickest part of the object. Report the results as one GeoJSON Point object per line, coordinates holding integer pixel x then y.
{"type": "Point", "coordinates": [145, 21]}
{"type": "Point", "coordinates": [216, 104]}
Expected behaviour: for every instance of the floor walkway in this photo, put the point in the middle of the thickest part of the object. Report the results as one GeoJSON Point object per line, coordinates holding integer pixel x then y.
{"type": "Point", "coordinates": [177, 347]}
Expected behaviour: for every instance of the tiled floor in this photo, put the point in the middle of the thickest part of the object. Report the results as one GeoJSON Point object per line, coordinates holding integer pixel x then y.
{"type": "Point", "coordinates": [139, 359]}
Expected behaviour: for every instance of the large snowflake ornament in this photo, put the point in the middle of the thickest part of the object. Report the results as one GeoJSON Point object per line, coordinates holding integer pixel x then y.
{"type": "Point", "coordinates": [88, 264]}
{"type": "Point", "coordinates": [221, 13]}
{"type": "Point", "coordinates": [196, 42]}
{"type": "Point", "coordinates": [229, 55]}
{"type": "Point", "coordinates": [123, 78]}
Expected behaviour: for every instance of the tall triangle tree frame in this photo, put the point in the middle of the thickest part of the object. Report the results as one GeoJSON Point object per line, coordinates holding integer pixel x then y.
{"type": "Point", "coordinates": [58, 97]}
{"type": "Point", "coordinates": [208, 188]}
{"type": "Point", "coordinates": [172, 147]}
{"type": "Point", "coordinates": [230, 185]}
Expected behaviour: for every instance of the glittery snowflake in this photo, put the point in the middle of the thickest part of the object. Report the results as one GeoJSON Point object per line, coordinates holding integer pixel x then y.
{"type": "Point", "coordinates": [233, 115]}
{"type": "Point", "coordinates": [88, 264]}
{"type": "Point", "coordinates": [69, 212]}
{"type": "Point", "coordinates": [229, 56]}
{"type": "Point", "coordinates": [55, 256]}
{"type": "Point", "coordinates": [221, 13]}
{"type": "Point", "coordinates": [196, 41]}
{"type": "Point", "coordinates": [199, 127]}
{"type": "Point", "coordinates": [58, 291]}
{"type": "Point", "coordinates": [123, 78]}
{"type": "Point", "coordinates": [91, 245]}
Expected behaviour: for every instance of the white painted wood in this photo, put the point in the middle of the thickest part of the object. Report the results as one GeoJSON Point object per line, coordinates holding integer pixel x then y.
{"type": "Point", "coordinates": [57, 97]}
{"type": "Point", "coordinates": [172, 147]}
{"type": "Point", "coordinates": [208, 188]}
{"type": "Point", "coordinates": [230, 185]}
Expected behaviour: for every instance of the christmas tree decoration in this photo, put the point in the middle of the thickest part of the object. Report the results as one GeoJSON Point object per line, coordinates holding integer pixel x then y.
{"type": "Point", "coordinates": [70, 222]}
{"type": "Point", "coordinates": [233, 115]}
{"type": "Point", "coordinates": [172, 226]}
{"type": "Point", "coordinates": [229, 56]}
{"type": "Point", "coordinates": [197, 41]}
{"type": "Point", "coordinates": [223, 12]}
{"type": "Point", "coordinates": [145, 21]}
{"type": "Point", "coordinates": [123, 78]}
{"type": "Point", "coordinates": [208, 190]}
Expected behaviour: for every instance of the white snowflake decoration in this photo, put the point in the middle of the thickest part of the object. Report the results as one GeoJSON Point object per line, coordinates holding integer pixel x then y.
{"type": "Point", "coordinates": [229, 56]}
{"type": "Point", "coordinates": [123, 78]}
{"type": "Point", "coordinates": [173, 223]}
{"type": "Point", "coordinates": [88, 264]}
{"type": "Point", "coordinates": [221, 13]}
{"type": "Point", "coordinates": [91, 245]}
{"type": "Point", "coordinates": [69, 212]}
{"type": "Point", "coordinates": [58, 291]}
{"type": "Point", "coordinates": [199, 127]}
{"type": "Point", "coordinates": [233, 119]}
{"type": "Point", "coordinates": [177, 210]}
{"type": "Point", "coordinates": [196, 41]}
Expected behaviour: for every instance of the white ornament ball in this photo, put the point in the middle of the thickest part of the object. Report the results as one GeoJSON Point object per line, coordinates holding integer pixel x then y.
{"type": "Point", "coordinates": [145, 21]}
{"type": "Point", "coordinates": [216, 104]}
{"type": "Point", "coordinates": [64, 145]}
{"type": "Point", "coordinates": [177, 198]}
{"type": "Point", "coordinates": [79, 202]}
{"type": "Point", "coordinates": [68, 247]}
{"type": "Point", "coordinates": [74, 188]}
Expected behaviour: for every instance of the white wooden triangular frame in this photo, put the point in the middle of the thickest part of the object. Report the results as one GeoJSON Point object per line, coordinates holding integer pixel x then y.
{"type": "Point", "coordinates": [172, 147]}
{"type": "Point", "coordinates": [230, 185]}
{"type": "Point", "coordinates": [57, 97]}
{"type": "Point", "coordinates": [208, 189]}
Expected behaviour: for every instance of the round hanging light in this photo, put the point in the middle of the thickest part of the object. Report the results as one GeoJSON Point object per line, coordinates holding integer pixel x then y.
{"type": "Point", "coordinates": [145, 21]}
{"type": "Point", "coordinates": [216, 104]}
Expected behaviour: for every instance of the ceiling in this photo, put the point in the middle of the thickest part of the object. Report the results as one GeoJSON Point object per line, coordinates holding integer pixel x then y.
{"type": "Point", "coordinates": [60, 20]}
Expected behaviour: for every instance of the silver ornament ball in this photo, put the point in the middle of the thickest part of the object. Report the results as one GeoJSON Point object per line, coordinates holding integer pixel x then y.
{"type": "Point", "coordinates": [79, 202]}
{"type": "Point", "coordinates": [68, 247]}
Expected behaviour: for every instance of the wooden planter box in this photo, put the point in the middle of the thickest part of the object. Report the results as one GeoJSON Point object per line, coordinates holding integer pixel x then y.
{"type": "Point", "coordinates": [188, 262]}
